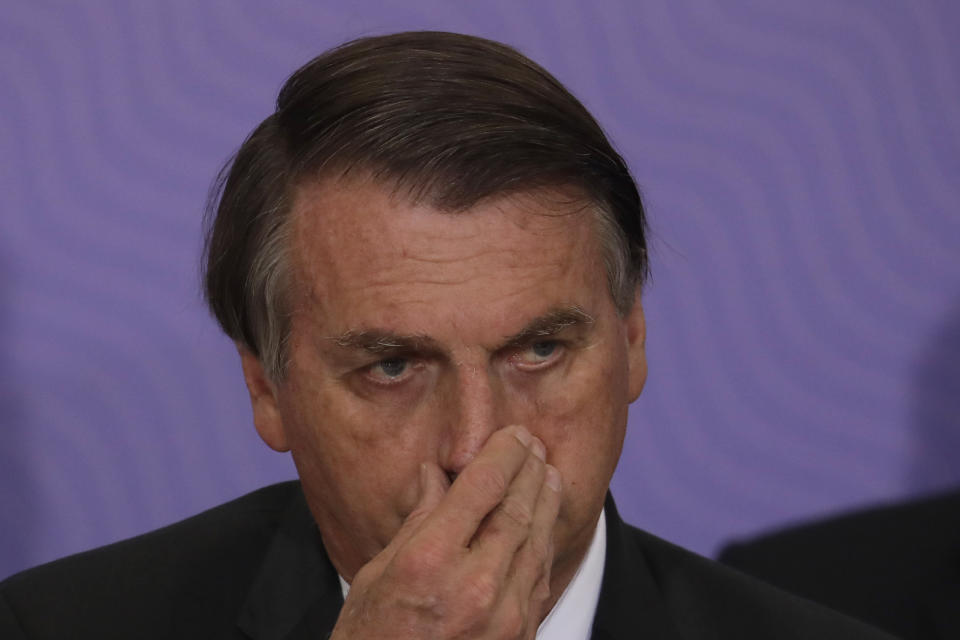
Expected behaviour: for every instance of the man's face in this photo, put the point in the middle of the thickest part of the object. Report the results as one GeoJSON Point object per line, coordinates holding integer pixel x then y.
{"type": "Point", "coordinates": [416, 334]}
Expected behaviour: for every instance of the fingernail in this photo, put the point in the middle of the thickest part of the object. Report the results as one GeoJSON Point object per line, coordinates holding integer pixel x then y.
{"type": "Point", "coordinates": [552, 478]}
{"type": "Point", "coordinates": [523, 436]}
{"type": "Point", "coordinates": [538, 449]}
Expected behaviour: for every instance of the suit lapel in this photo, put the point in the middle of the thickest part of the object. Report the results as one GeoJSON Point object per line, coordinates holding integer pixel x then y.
{"type": "Point", "coordinates": [296, 593]}
{"type": "Point", "coordinates": [630, 603]}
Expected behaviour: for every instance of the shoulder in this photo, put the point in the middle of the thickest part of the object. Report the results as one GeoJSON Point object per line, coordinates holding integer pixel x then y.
{"type": "Point", "coordinates": [915, 529]}
{"type": "Point", "coordinates": [707, 600]}
{"type": "Point", "coordinates": [889, 565]}
{"type": "Point", "coordinates": [197, 568]}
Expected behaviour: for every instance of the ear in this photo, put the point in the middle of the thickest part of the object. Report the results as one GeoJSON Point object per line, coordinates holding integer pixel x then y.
{"type": "Point", "coordinates": [636, 348]}
{"type": "Point", "coordinates": [263, 399]}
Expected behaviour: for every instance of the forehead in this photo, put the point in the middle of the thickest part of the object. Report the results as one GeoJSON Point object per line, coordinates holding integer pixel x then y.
{"type": "Point", "coordinates": [361, 242]}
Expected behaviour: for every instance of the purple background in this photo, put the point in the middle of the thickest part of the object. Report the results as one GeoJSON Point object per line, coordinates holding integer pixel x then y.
{"type": "Point", "coordinates": [799, 161]}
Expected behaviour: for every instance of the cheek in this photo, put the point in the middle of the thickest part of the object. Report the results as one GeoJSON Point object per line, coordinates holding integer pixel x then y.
{"type": "Point", "coordinates": [582, 417]}
{"type": "Point", "coordinates": [586, 435]}
{"type": "Point", "coordinates": [352, 455]}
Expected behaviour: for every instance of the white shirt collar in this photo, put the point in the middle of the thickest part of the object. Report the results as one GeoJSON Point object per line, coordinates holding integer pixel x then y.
{"type": "Point", "coordinates": [572, 616]}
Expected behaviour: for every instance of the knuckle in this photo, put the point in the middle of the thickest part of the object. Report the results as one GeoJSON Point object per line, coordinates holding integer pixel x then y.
{"type": "Point", "coordinates": [483, 592]}
{"type": "Point", "coordinates": [503, 436]}
{"type": "Point", "coordinates": [517, 512]}
{"type": "Point", "coordinates": [512, 622]}
{"type": "Point", "coordinates": [540, 549]}
{"type": "Point", "coordinates": [542, 591]}
{"type": "Point", "coordinates": [487, 479]}
{"type": "Point", "coordinates": [420, 561]}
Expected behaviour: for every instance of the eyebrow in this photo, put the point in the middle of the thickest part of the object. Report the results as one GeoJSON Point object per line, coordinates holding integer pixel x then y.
{"type": "Point", "coordinates": [380, 341]}
{"type": "Point", "coordinates": [549, 324]}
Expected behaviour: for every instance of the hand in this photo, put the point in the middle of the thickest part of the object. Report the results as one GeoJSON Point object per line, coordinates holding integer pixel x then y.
{"type": "Point", "coordinates": [473, 559]}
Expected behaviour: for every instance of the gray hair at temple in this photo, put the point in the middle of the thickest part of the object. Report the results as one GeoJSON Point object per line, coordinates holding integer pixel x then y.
{"type": "Point", "coordinates": [449, 120]}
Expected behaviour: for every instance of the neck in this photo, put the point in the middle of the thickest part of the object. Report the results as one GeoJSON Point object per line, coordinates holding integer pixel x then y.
{"type": "Point", "coordinates": [566, 568]}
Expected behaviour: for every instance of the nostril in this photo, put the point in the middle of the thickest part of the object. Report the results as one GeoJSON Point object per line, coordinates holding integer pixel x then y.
{"type": "Point", "coordinates": [451, 476]}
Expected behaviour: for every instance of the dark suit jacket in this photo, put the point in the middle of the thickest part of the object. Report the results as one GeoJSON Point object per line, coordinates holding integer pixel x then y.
{"type": "Point", "coordinates": [897, 567]}
{"type": "Point", "coordinates": [255, 568]}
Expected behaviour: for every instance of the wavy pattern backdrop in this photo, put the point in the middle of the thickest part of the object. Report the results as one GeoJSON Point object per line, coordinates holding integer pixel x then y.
{"type": "Point", "coordinates": [800, 164]}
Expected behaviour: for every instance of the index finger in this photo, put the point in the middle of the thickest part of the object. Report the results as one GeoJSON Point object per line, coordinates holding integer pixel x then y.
{"type": "Point", "coordinates": [483, 483]}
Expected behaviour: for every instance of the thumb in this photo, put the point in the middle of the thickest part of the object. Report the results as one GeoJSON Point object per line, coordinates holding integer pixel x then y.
{"type": "Point", "coordinates": [433, 486]}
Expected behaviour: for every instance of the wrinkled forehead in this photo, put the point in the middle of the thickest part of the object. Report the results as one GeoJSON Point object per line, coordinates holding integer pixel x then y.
{"type": "Point", "coordinates": [362, 208]}
{"type": "Point", "coordinates": [342, 229]}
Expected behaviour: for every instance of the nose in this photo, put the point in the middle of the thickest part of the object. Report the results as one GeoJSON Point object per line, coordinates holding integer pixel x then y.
{"type": "Point", "coordinates": [474, 409]}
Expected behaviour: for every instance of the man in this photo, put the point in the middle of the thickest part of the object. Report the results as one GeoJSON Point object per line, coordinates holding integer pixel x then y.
{"type": "Point", "coordinates": [430, 258]}
{"type": "Point", "coordinates": [895, 566]}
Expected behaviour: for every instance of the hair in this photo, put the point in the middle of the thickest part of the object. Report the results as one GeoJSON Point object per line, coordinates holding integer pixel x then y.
{"type": "Point", "coordinates": [448, 119]}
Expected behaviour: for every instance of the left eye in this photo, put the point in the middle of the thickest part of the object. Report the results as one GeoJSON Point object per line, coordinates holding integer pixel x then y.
{"type": "Point", "coordinates": [539, 353]}
{"type": "Point", "coordinates": [393, 367]}
{"type": "Point", "coordinates": [390, 371]}
{"type": "Point", "coordinates": [543, 349]}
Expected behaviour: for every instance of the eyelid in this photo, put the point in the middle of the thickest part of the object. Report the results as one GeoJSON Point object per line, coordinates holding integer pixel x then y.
{"type": "Point", "coordinates": [413, 365]}
{"type": "Point", "coordinates": [553, 358]}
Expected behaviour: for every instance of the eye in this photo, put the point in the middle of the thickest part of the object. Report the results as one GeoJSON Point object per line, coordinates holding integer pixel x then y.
{"type": "Point", "coordinates": [538, 354]}
{"type": "Point", "coordinates": [390, 370]}
{"type": "Point", "coordinates": [543, 349]}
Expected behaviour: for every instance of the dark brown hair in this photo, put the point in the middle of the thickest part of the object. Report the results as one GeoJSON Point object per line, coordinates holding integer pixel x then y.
{"type": "Point", "coordinates": [449, 119]}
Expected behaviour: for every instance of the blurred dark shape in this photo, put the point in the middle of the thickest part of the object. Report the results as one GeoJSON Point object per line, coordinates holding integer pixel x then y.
{"type": "Point", "coordinates": [935, 411]}
{"type": "Point", "coordinates": [896, 567]}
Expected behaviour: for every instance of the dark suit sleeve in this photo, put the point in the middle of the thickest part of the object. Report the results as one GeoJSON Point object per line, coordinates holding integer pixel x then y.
{"type": "Point", "coordinates": [9, 625]}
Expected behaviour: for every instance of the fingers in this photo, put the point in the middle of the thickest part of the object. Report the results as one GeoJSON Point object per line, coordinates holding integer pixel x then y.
{"type": "Point", "coordinates": [485, 482]}
{"type": "Point", "coordinates": [519, 551]}
{"type": "Point", "coordinates": [507, 527]}
{"type": "Point", "coordinates": [457, 511]}
{"type": "Point", "coordinates": [535, 559]}
{"type": "Point", "coordinates": [433, 487]}
{"type": "Point", "coordinates": [479, 550]}
{"type": "Point", "coordinates": [516, 538]}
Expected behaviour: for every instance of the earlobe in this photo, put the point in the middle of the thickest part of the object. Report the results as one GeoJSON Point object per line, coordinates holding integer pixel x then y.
{"type": "Point", "coordinates": [636, 348]}
{"type": "Point", "coordinates": [263, 400]}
